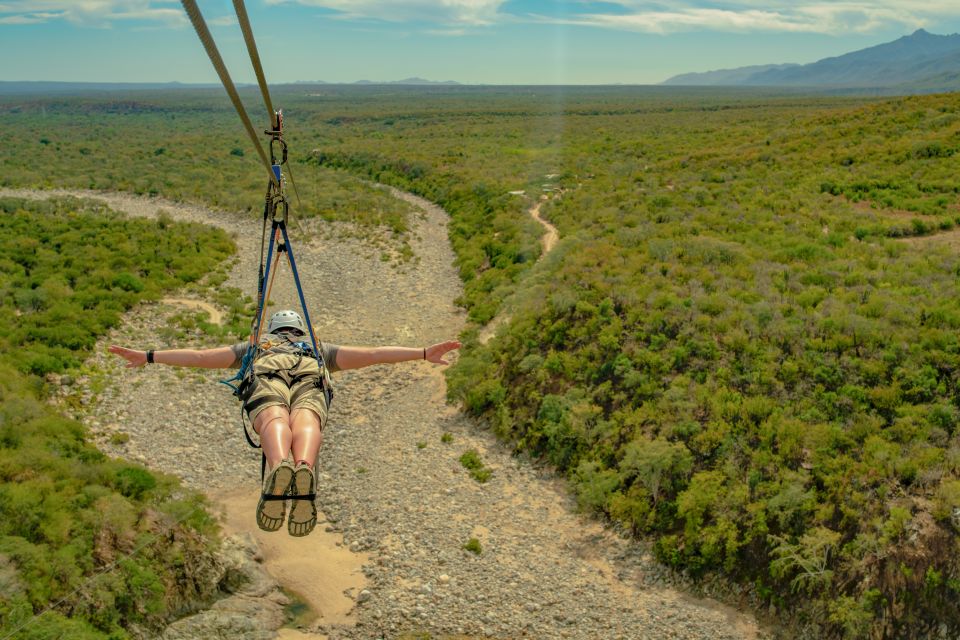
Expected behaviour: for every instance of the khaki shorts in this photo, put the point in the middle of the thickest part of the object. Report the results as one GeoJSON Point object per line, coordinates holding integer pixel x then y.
{"type": "Point", "coordinates": [287, 380]}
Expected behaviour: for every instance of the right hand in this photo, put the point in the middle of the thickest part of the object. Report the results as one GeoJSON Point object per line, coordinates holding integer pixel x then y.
{"type": "Point", "coordinates": [435, 352]}
{"type": "Point", "coordinates": [133, 358]}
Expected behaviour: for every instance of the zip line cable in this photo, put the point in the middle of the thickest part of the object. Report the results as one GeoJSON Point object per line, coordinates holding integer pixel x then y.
{"type": "Point", "coordinates": [213, 53]}
{"type": "Point", "coordinates": [200, 26]}
{"type": "Point", "coordinates": [255, 58]}
{"type": "Point", "coordinates": [251, 42]}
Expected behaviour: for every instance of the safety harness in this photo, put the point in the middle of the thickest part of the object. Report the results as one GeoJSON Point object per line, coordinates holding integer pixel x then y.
{"type": "Point", "coordinates": [276, 212]}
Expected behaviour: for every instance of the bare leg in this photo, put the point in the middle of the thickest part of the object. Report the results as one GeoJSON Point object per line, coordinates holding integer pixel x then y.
{"type": "Point", "coordinates": [307, 435]}
{"type": "Point", "coordinates": [273, 425]}
{"type": "Point", "coordinates": [306, 426]}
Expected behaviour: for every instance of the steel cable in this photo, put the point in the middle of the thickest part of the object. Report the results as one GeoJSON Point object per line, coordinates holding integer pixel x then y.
{"type": "Point", "coordinates": [200, 26]}
{"type": "Point", "coordinates": [244, 21]}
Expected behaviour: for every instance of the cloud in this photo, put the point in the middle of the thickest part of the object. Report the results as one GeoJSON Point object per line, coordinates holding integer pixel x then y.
{"type": "Point", "coordinates": [227, 20]}
{"type": "Point", "coordinates": [457, 17]}
{"type": "Point", "coordinates": [21, 19]}
{"type": "Point", "coordinates": [462, 13]}
{"type": "Point", "coordinates": [96, 13]}
{"type": "Point", "coordinates": [744, 16]}
{"type": "Point", "coordinates": [652, 16]}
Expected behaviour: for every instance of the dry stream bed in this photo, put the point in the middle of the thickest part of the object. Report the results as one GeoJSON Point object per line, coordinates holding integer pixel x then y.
{"type": "Point", "coordinates": [397, 506]}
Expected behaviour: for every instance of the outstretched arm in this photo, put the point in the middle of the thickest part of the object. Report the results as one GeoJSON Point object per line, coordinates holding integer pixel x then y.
{"type": "Point", "coordinates": [218, 358]}
{"type": "Point", "coordinates": [357, 357]}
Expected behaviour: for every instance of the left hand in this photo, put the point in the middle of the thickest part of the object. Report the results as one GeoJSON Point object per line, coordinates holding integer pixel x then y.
{"type": "Point", "coordinates": [435, 352]}
{"type": "Point", "coordinates": [133, 357]}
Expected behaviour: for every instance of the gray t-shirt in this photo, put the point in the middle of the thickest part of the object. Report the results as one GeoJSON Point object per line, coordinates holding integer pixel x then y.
{"type": "Point", "coordinates": [328, 351]}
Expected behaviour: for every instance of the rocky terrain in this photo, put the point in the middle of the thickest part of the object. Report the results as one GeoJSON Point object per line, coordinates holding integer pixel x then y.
{"type": "Point", "coordinates": [392, 490]}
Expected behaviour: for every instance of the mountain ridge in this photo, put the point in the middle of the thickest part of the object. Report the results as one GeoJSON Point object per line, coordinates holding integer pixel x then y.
{"type": "Point", "coordinates": [913, 61]}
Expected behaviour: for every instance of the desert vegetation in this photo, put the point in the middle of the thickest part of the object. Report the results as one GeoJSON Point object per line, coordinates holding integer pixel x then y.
{"type": "Point", "coordinates": [89, 546]}
{"type": "Point", "coordinates": [732, 351]}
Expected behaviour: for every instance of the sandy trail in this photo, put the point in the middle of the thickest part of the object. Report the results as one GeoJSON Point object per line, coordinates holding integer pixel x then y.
{"type": "Point", "coordinates": [216, 316]}
{"type": "Point", "coordinates": [548, 241]}
{"type": "Point", "coordinates": [550, 235]}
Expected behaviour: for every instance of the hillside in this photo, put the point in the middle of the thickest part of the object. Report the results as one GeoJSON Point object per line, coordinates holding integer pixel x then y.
{"type": "Point", "coordinates": [90, 546]}
{"type": "Point", "coordinates": [921, 62]}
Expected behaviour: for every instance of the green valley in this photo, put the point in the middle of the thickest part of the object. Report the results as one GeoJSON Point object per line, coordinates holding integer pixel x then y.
{"type": "Point", "coordinates": [744, 347]}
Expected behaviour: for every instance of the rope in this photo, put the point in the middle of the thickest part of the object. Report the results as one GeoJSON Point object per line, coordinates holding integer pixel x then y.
{"type": "Point", "coordinates": [254, 57]}
{"type": "Point", "coordinates": [204, 34]}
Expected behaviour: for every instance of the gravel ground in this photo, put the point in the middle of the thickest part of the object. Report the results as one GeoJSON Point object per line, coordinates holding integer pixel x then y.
{"type": "Point", "coordinates": [388, 482]}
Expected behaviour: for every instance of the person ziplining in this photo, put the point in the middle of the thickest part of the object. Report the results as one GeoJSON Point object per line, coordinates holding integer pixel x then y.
{"type": "Point", "coordinates": [287, 404]}
{"type": "Point", "coordinates": [283, 376]}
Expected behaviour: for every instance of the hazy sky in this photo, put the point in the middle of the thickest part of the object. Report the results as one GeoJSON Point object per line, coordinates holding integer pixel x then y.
{"type": "Point", "coordinates": [470, 41]}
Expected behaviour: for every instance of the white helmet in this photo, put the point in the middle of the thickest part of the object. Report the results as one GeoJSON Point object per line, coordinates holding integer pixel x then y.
{"type": "Point", "coordinates": [286, 319]}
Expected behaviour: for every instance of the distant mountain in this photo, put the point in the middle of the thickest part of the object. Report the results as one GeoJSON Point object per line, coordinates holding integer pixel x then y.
{"type": "Point", "coordinates": [413, 81]}
{"type": "Point", "coordinates": [723, 77]}
{"type": "Point", "coordinates": [65, 88]}
{"type": "Point", "coordinates": [920, 62]}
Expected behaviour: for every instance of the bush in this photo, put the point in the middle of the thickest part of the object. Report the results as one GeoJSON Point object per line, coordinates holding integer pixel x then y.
{"type": "Point", "coordinates": [134, 482]}
{"type": "Point", "coordinates": [473, 546]}
{"type": "Point", "coordinates": [102, 539]}
{"type": "Point", "coordinates": [470, 460]}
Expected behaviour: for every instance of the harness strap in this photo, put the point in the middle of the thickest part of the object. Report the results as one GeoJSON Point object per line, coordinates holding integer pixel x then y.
{"type": "Point", "coordinates": [259, 402]}
{"type": "Point", "coordinates": [299, 393]}
{"type": "Point", "coordinates": [246, 434]}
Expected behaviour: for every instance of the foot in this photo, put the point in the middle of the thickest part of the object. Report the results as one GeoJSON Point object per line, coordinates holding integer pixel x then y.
{"type": "Point", "coordinates": [303, 513]}
{"type": "Point", "coordinates": [271, 509]}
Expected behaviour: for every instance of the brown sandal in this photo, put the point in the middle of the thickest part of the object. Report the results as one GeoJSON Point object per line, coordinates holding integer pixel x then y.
{"type": "Point", "coordinates": [303, 492]}
{"type": "Point", "coordinates": [272, 507]}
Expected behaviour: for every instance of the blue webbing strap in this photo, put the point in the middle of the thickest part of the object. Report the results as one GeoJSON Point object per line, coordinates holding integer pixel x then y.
{"type": "Point", "coordinates": [248, 356]}
{"type": "Point", "coordinates": [303, 302]}
{"type": "Point", "coordinates": [266, 280]}
{"type": "Point", "coordinates": [327, 388]}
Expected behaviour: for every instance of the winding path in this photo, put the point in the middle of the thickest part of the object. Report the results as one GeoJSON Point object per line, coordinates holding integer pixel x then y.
{"type": "Point", "coordinates": [397, 503]}
{"type": "Point", "coordinates": [550, 234]}
{"type": "Point", "coordinates": [216, 316]}
{"type": "Point", "coordinates": [547, 242]}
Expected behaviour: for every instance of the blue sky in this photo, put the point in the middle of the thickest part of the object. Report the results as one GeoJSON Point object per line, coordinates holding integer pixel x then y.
{"type": "Point", "coordinates": [470, 41]}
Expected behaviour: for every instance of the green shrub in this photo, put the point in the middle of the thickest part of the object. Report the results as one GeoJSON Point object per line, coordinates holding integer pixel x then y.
{"type": "Point", "coordinates": [471, 461]}
{"type": "Point", "coordinates": [473, 546]}
{"type": "Point", "coordinates": [110, 542]}
{"type": "Point", "coordinates": [133, 482]}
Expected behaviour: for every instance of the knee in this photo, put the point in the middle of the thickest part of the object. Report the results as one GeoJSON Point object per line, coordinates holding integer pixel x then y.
{"type": "Point", "coordinates": [305, 419]}
{"type": "Point", "coordinates": [272, 418]}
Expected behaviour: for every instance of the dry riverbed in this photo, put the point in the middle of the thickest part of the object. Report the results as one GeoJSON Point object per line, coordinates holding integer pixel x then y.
{"type": "Point", "coordinates": [398, 508]}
